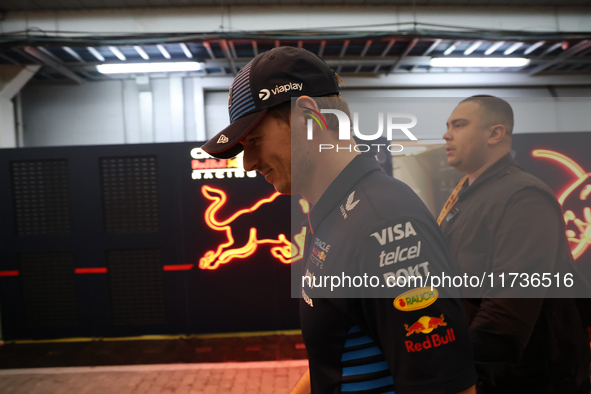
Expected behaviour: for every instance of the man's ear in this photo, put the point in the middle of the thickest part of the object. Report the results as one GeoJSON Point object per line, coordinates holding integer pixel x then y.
{"type": "Point", "coordinates": [304, 102]}
{"type": "Point", "coordinates": [303, 105]}
{"type": "Point", "coordinates": [497, 134]}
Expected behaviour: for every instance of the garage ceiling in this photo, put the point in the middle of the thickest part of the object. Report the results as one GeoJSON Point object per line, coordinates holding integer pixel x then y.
{"type": "Point", "coordinates": [38, 5]}
{"type": "Point", "coordinates": [74, 57]}
{"type": "Point", "coordinates": [75, 60]}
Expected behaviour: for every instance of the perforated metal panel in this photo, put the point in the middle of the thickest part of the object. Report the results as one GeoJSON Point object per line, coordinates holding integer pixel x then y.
{"type": "Point", "coordinates": [130, 194]}
{"type": "Point", "coordinates": [136, 285]}
{"type": "Point", "coordinates": [49, 294]}
{"type": "Point", "coordinates": [40, 197]}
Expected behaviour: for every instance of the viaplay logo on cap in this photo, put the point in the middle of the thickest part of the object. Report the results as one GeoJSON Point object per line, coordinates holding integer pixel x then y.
{"type": "Point", "coordinates": [264, 94]}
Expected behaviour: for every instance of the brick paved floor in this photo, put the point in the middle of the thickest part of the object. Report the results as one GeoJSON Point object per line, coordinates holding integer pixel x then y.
{"type": "Point", "coordinates": [272, 377]}
{"type": "Point", "coordinates": [161, 351]}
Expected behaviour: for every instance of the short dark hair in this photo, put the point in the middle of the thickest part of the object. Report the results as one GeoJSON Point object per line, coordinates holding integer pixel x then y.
{"type": "Point", "coordinates": [331, 101]}
{"type": "Point", "coordinates": [497, 110]}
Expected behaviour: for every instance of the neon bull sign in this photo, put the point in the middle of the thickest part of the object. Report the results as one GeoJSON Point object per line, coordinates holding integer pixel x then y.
{"type": "Point", "coordinates": [575, 201]}
{"type": "Point", "coordinates": [281, 248]}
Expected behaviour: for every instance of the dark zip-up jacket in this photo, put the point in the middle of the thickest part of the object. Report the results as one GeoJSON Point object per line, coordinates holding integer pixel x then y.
{"type": "Point", "coordinates": [525, 340]}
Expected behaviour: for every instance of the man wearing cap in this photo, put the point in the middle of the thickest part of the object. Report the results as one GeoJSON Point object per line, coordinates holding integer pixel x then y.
{"type": "Point", "coordinates": [363, 224]}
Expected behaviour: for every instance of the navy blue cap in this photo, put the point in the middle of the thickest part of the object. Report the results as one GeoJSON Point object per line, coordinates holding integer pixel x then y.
{"type": "Point", "coordinates": [270, 79]}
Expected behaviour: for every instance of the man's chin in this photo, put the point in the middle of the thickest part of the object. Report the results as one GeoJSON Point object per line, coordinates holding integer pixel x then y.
{"type": "Point", "coordinates": [282, 188]}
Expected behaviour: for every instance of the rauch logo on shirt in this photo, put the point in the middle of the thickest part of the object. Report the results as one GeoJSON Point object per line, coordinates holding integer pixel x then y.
{"type": "Point", "coordinates": [416, 299]}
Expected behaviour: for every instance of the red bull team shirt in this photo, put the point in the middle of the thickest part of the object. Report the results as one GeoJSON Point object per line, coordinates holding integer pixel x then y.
{"type": "Point", "coordinates": [380, 339]}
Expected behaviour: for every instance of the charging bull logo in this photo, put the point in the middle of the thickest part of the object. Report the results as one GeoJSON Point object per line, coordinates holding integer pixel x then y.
{"type": "Point", "coordinates": [575, 203]}
{"type": "Point", "coordinates": [425, 325]}
{"type": "Point", "coordinates": [282, 249]}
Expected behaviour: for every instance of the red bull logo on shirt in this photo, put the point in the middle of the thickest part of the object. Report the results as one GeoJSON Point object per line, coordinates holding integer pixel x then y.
{"type": "Point", "coordinates": [432, 341]}
{"type": "Point", "coordinates": [319, 253]}
{"type": "Point", "coordinates": [425, 325]}
{"type": "Point", "coordinates": [320, 250]}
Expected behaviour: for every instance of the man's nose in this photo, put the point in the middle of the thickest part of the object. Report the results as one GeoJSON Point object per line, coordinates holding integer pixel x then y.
{"type": "Point", "coordinates": [447, 135]}
{"type": "Point", "coordinates": [249, 160]}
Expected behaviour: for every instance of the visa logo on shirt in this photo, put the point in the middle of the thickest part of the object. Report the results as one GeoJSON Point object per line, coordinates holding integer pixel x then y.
{"type": "Point", "coordinates": [394, 233]}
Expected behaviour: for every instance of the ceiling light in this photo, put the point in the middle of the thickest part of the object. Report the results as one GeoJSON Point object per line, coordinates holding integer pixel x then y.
{"type": "Point", "coordinates": [141, 52]}
{"type": "Point", "coordinates": [96, 53]}
{"type": "Point", "coordinates": [186, 50]}
{"type": "Point", "coordinates": [513, 48]}
{"type": "Point", "coordinates": [130, 68]}
{"type": "Point", "coordinates": [451, 48]}
{"type": "Point", "coordinates": [494, 47]}
{"type": "Point", "coordinates": [163, 51]}
{"type": "Point", "coordinates": [73, 53]}
{"type": "Point", "coordinates": [118, 53]}
{"type": "Point", "coordinates": [472, 48]}
{"type": "Point", "coordinates": [479, 62]}
{"type": "Point", "coordinates": [534, 47]}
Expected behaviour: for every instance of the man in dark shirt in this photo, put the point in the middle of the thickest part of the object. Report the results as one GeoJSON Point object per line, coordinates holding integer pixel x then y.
{"type": "Point", "coordinates": [363, 223]}
{"type": "Point", "coordinates": [502, 220]}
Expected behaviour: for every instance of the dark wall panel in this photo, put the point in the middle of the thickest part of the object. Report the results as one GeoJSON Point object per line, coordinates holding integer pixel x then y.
{"type": "Point", "coordinates": [48, 290]}
{"type": "Point", "coordinates": [136, 284]}
{"type": "Point", "coordinates": [130, 194]}
{"type": "Point", "coordinates": [104, 241]}
{"type": "Point", "coordinates": [41, 203]}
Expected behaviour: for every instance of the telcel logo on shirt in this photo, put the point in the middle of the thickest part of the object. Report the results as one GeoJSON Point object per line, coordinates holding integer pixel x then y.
{"type": "Point", "coordinates": [415, 299]}
{"type": "Point", "coordinates": [387, 234]}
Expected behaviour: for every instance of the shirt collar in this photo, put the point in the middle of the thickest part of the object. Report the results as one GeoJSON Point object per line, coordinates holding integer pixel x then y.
{"type": "Point", "coordinates": [499, 168]}
{"type": "Point", "coordinates": [359, 167]}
